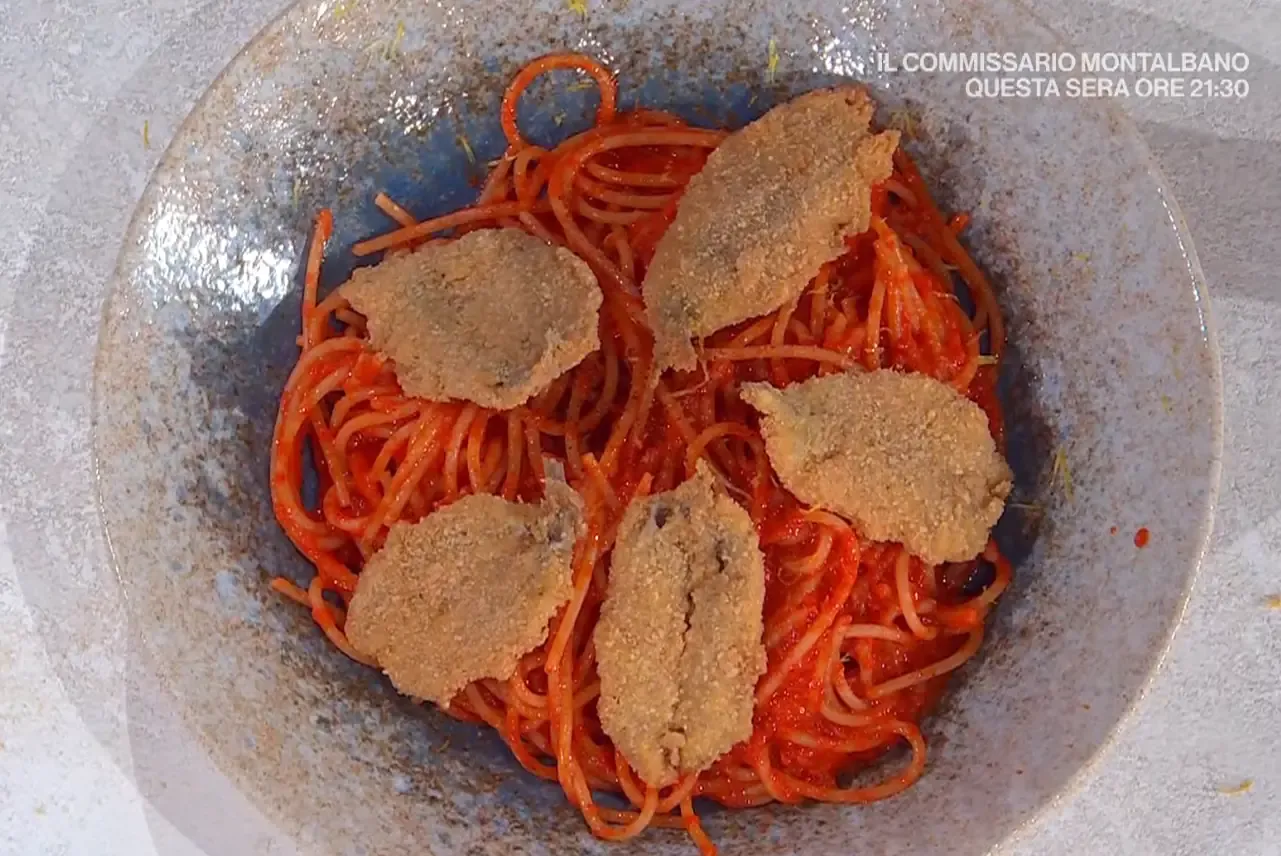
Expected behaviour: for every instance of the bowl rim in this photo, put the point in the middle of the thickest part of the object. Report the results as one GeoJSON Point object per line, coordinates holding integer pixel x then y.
{"type": "Point", "coordinates": [1077, 781]}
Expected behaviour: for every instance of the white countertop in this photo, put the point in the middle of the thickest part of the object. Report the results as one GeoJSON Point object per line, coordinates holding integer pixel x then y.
{"type": "Point", "coordinates": [1212, 718]}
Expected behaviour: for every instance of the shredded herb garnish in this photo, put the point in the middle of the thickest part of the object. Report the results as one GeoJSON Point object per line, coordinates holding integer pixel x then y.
{"type": "Point", "coordinates": [466, 145]}
{"type": "Point", "coordinates": [393, 47]}
{"type": "Point", "coordinates": [771, 64]}
{"type": "Point", "coordinates": [1062, 471]}
{"type": "Point", "coordinates": [1237, 790]}
{"type": "Point", "coordinates": [904, 122]}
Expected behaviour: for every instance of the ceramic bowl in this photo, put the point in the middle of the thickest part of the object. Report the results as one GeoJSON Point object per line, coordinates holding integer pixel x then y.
{"type": "Point", "coordinates": [1112, 390]}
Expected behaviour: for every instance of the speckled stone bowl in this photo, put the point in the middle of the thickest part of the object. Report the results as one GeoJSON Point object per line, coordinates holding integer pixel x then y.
{"type": "Point", "coordinates": [1113, 373]}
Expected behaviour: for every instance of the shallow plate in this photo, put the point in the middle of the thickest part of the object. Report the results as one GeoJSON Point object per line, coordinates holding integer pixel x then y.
{"type": "Point", "coordinates": [1113, 374]}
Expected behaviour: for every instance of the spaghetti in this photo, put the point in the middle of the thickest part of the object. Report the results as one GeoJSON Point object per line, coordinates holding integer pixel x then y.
{"type": "Point", "coordinates": [860, 636]}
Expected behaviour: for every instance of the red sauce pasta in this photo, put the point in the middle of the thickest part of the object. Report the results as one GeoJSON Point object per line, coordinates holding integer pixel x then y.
{"type": "Point", "coordinates": [859, 636]}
